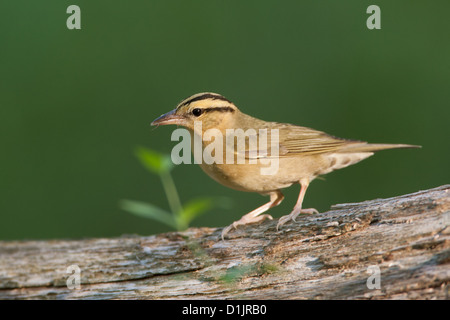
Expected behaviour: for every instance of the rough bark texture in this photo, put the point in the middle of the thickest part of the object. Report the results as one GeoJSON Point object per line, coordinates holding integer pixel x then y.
{"type": "Point", "coordinates": [332, 255]}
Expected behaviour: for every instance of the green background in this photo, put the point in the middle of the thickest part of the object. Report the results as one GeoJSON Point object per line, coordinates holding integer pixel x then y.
{"type": "Point", "coordinates": [75, 103]}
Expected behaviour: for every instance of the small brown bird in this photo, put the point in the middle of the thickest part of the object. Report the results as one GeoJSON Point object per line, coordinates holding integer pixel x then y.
{"type": "Point", "coordinates": [301, 153]}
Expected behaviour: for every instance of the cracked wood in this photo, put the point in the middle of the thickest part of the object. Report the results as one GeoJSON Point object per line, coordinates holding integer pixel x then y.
{"type": "Point", "coordinates": [325, 256]}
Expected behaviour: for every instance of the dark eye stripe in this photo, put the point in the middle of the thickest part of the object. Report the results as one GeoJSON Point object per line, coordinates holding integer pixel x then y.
{"type": "Point", "coordinates": [199, 111]}
{"type": "Point", "coordinates": [220, 109]}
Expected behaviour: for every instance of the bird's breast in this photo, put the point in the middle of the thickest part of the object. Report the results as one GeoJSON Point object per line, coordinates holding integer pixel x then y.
{"type": "Point", "coordinates": [253, 173]}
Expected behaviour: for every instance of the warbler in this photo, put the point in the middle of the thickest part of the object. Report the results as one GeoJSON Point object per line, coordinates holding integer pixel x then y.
{"type": "Point", "coordinates": [301, 154]}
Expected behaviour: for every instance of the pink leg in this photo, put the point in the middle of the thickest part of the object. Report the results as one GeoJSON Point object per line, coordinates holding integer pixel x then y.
{"type": "Point", "coordinates": [298, 206]}
{"type": "Point", "coordinates": [254, 216]}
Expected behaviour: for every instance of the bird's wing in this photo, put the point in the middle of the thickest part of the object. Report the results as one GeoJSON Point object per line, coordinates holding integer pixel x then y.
{"type": "Point", "coordinates": [296, 140]}
{"type": "Point", "coordinates": [282, 140]}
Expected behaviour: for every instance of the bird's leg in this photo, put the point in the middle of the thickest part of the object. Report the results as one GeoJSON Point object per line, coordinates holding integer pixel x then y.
{"type": "Point", "coordinates": [254, 216]}
{"type": "Point", "coordinates": [298, 206]}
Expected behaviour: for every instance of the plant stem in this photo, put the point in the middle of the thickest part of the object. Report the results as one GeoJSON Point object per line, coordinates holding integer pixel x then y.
{"type": "Point", "coordinates": [172, 197]}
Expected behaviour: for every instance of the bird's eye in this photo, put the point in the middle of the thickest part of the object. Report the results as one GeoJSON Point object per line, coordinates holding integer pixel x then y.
{"type": "Point", "coordinates": [197, 112]}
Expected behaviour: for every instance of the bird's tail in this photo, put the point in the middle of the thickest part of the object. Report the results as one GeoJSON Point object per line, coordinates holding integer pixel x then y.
{"type": "Point", "coordinates": [373, 147]}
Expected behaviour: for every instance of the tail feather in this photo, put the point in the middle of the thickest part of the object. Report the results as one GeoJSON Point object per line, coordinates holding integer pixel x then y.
{"type": "Point", "coordinates": [372, 147]}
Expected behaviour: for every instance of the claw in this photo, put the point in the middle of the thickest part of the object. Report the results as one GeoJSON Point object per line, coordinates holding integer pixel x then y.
{"type": "Point", "coordinates": [255, 216]}
{"type": "Point", "coordinates": [282, 221]}
{"type": "Point", "coordinates": [309, 211]}
{"type": "Point", "coordinates": [226, 230]}
{"type": "Point", "coordinates": [244, 221]}
{"type": "Point", "coordinates": [293, 215]}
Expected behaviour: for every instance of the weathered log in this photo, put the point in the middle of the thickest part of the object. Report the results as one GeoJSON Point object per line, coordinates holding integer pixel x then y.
{"type": "Point", "coordinates": [379, 249]}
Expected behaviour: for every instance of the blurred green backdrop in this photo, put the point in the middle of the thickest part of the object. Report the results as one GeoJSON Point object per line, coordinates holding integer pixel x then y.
{"type": "Point", "coordinates": [75, 103]}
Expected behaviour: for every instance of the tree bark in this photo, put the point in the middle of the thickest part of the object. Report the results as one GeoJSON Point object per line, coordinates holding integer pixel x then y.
{"type": "Point", "coordinates": [396, 248]}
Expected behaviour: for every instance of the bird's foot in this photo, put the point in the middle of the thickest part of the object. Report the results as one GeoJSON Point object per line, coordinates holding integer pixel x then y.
{"type": "Point", "coordinates": [294, 214]}
{"type": "Point", "coordinates": [243, 221]}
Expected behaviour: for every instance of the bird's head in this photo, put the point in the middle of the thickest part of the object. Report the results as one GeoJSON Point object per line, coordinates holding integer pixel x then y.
{"type": "Point", "coordinates": [211, 109]}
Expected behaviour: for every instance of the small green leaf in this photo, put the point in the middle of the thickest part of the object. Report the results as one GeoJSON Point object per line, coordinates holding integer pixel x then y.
{"type": "Point", "coordinates": [148, 210]}
{"type": "Point", "coordinates": [154, 161]}
{"type": "Point", "coordinates": [198, 206]}
{"type": "Point", "coordinates": [194, 208]}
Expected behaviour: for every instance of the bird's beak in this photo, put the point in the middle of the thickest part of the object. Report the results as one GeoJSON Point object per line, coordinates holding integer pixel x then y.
{"type": "Point", "coordinates": [169, 118]}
